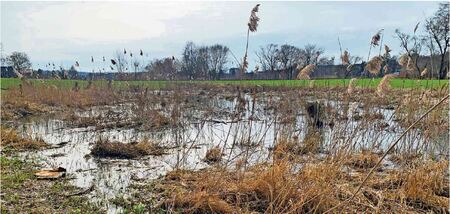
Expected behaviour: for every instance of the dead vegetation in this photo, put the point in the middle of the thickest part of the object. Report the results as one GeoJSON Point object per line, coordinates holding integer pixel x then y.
{"type": "Point", "coordinates": [10, 139]}
{"type": "Point", "coordinates": [106, 149]}
{"type": "Point", "coordinates": [286, 187]}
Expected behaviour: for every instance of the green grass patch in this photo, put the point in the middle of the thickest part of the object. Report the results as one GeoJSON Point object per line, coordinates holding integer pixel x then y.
{"type": "Point", "coordinates": [6, 83]}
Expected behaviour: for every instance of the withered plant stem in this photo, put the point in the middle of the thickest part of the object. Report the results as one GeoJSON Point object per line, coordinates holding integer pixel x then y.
{"type": "Point", "coordinates": [387, 152]}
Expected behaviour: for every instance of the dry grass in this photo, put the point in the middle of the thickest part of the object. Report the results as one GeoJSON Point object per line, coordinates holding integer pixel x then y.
{"type": "Point", "coordinates": [276, 188]}
{"type": "Point", "coordinates": [11, 140]}
{"type": "Point", "coordinates": [290, 186]}
{"type": "Point", "coordinates": [213, 155]}
{"type": "Point", "coordinates": [59, 97]}
{"type": "Point", "coordinates": [364, 160]}
{"type": "Point", "coordinates": [106, 149]}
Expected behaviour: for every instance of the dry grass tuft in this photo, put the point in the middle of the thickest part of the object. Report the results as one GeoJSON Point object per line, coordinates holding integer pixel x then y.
{"type": "Point", "coordinates": [374, 65]}
{"type": "Point", "coordinates": [363, 160]}
{"type": "Point", "coordinates": [213, 155]}
{"type": "Point", "coordinates": [10, 139]}
{"type": "Point", "coordinates": [103, 149]}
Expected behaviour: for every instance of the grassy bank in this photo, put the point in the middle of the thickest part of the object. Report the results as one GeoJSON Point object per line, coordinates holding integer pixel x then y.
{"type": "Point", "coordinates": [7, 83]}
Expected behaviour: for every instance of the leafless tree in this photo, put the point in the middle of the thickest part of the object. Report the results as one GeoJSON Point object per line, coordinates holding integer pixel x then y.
{"type": "Point", "coordinates": [412, 45]}
{"type": "Point", "coordinates": [195, 61]}
{"type": "Point", "coordinates": [438, 27]}
{"type": "Point", "coordinates": [326, 61]}
{"type": "Point", "coordinates": [217, 58]}
{"type": "Point", "coordinates": [312, 53]}
{"type": "Point", "coordinates": [162, 69]}
{"type": "Point", "coordinates": [289, 57]}
{"type": "Point", "coordinates": [268, 57]}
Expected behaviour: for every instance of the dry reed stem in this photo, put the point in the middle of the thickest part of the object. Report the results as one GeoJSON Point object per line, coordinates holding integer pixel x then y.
{"type": "Point", "coordinates": [350, 88]}
{"type": "Point", "coordinates": [387, 152]}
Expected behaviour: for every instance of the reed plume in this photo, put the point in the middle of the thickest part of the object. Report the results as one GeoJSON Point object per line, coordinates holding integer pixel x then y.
{"type": "Point", "coordinates": [252, 27]}
{"type": "Point", "coordinates": [350, 88]}
{"type": "Point", "coordinates": [374, 65]}
{"type": "Point", "coordinates": [376, 38]}
{"type": "Point", "coordinates": [424, 72]}
{"type": "Point", "coordinates": [345, 58]}
{"type": "Point", "coordinates": [305, 72]}
{"type": "Point", "coordinates": [384, 88]}
{"type": "Point", "coordinates": [311, 84]}
{"type": "Point", "coordinates": [253, 21]}
{"type": "Point", "coordinates": [387, 51]}
{"type": "Point", "coordinates": [403, 60]}
{"type": "Point", "coordinates": [410, 65]}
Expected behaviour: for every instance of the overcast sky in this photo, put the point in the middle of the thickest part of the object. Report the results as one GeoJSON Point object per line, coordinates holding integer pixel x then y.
{"type": "Point", "coordinates": [63, 32]}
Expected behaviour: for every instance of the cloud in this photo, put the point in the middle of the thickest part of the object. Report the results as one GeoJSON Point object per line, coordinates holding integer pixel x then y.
{"type": "Point", "coordinates": [101, 21]}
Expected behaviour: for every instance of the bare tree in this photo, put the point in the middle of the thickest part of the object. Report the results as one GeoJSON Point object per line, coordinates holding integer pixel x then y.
{"type": "Point", "coordinates": [218, 57]}
{"type": "Point", "coordinates": [289, 57]}
{"type": "Point", "coordinates": [312, 53]}
{"type": "Point", "coordinates": [326, 61]}
{"type": "Point", "coordinates": [412, 46]}
{"type": "Point", "coordinates": [438, 27]}
{"type": "Point", "coordinates": [19, 61]}
{"type": "Point", "coordinates": [268, 57]}
{"type": "Point", "coordinates": [195, 61]}
{"type": "Point", "coordinates": [162, 69]}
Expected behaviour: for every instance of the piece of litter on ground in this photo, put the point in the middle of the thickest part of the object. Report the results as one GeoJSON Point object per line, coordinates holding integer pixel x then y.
{"type": "Point", "coordinates": [51, 173]}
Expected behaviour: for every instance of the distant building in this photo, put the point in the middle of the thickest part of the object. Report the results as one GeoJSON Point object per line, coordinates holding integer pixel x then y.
{"type": "Point", "coordinates": [7, 72]}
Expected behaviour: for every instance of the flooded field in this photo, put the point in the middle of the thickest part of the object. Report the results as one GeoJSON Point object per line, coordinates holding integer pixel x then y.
{"type": "Point", "coordinates": [241, 126]}
{"type": "Point", "coordinates": [104, 147]}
